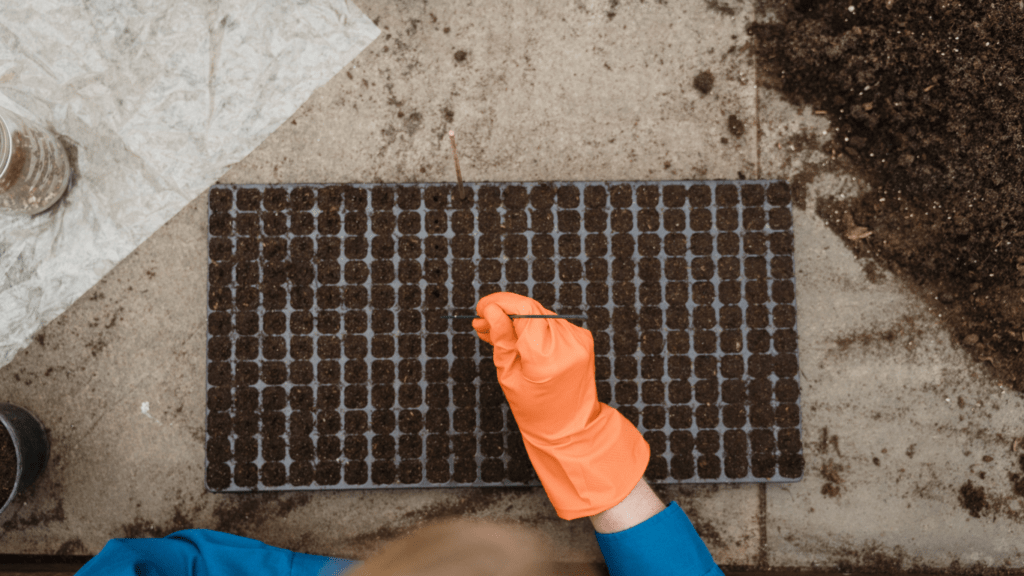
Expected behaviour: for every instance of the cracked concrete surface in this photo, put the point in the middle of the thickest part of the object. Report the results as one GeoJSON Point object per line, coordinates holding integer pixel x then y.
{"type": "Point", "coordinates": [581, 90]}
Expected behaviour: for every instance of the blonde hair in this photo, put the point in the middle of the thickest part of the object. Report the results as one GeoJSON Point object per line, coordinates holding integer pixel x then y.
{"type": "Point", "coordinates": [465, 547]}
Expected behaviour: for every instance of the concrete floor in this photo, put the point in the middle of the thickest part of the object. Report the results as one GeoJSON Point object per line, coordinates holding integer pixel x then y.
{"type": "Point", "coordinates": [896, 418]}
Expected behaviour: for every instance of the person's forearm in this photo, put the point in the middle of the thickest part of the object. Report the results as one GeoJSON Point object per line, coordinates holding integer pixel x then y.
{"type": "Point", "coordinates": [641, 503]}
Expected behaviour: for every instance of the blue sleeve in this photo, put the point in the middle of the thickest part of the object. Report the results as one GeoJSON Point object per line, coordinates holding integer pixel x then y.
{"type": "Point", "coordinates": [665, 544]}
{"type": "Point", "coordinates": [205, 553]}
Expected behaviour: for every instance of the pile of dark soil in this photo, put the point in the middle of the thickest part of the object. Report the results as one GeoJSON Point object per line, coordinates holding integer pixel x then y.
{"type": "Point", "coordinates": [8, 465]}
{"type": "Point", "coordinates": [927, 99]}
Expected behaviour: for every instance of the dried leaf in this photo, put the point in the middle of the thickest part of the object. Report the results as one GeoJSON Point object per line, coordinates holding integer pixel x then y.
{"type": "Point", "coordinates": [858, 233]}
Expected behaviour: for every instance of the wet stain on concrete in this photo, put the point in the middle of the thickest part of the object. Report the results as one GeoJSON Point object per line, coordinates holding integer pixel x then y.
{"type": "Point", "coordinates": [141, 528]}
{"type": "Point", "coordinates": [246, 512]}
{"type": "Point", "coordinates": [41, 518]}
{"type": "Point", "coordinates": [71, 547]}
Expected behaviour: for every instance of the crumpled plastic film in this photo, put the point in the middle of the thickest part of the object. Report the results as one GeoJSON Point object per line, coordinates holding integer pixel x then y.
{"type": "Point", "coordinates": [159, 97]}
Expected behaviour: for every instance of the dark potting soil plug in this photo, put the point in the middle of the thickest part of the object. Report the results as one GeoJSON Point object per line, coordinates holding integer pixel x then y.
{"type": "Point", "coordinates": [24, 451]}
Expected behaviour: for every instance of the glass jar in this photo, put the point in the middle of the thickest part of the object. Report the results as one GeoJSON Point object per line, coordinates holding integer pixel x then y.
{"type": "Point", "coordinates": [34, 169]}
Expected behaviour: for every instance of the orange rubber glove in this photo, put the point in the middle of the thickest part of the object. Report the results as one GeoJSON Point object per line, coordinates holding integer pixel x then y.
{"type": "Point", "coordinates": [586, 454]}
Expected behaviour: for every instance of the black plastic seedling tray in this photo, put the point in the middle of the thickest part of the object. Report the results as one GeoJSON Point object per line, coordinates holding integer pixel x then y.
{"type": "Point", "coordinates": [331, 365]}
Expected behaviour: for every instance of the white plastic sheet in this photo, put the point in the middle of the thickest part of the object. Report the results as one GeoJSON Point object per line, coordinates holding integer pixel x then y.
{"type": "Point", "coordinates": [159, 97]}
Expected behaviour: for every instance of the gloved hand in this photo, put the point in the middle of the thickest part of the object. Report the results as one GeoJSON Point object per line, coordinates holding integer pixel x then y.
{"type": "Point", "coordinates": [586, 454]}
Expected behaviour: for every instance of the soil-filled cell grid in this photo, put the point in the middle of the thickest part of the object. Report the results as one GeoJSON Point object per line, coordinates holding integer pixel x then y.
{"type": "Point", "coordinates": [331, 366]}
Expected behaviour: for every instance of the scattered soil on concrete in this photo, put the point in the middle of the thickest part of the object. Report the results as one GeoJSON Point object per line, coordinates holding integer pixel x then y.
{"type": "Point", "coordinates": [972, 499]}
{"type": "Point", "coordinates": [704, 81]}
{"type": "Point", "coordinates": [830, 472]}
{"type": "Point", "coordinates": [927, 100]}
{"type": "Point", "coordinates": [8, 465]}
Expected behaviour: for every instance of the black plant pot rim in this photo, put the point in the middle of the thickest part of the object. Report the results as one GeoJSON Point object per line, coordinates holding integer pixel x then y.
{"type": "Point", "coordinates": [18, 456]}
{"type": "Point", "coordinates": [19, 469]}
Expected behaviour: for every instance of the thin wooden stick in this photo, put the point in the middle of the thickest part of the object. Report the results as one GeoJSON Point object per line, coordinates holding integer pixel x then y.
{"type": "Point", "coordinates": [458, 173]}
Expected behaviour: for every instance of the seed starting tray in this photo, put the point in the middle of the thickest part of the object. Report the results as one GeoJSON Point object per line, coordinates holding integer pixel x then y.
{"type": "Point", "coordinates": [330, 365]}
